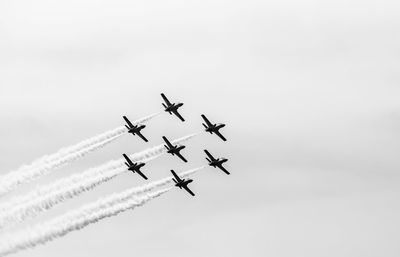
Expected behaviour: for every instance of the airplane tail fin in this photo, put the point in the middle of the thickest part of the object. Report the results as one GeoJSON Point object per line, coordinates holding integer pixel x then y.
{"type": "Point", "coordinates": [126, 164]}
{"type": "Point", "coordinates": [126, 126]}
{"type": "Point", "coordinates": [175, 181]}
{"type": "Point", "coordinates": [210, 131]}
{"type": "Point", "coordinates": [164, 106]}
{"type": "Point", "coordinates": [208, 159]}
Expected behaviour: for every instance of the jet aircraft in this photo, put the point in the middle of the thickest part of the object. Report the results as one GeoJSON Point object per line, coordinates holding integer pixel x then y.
{"type": "Point", "coordinates": [135, 129]}
{"type": "Point", "coordinates": [174, 149]}
{"type": "Point", "coordinates": [216, 163]}
{"type": "Point", "coordinates": [213, 128]}
{"type": "Point", "coordinates": [134, 167]}
{"type": "Point", "coordinates": [182, 183]}
{"type": "Point", "coordinates": [172, 108]}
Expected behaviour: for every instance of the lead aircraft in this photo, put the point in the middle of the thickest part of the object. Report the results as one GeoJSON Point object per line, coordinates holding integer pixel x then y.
{"type": "Point", "coordinates": [213, 128]}
{"type": "Point", "coordinates": [172, 108]}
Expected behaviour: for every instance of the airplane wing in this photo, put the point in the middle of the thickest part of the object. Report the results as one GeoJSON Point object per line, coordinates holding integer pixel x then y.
{"type": "Point", "coordinates": [128, 121]}
{"type": "Point", "coordinates": [223, 169]}
{"type": "Point", "coordinates": [141, 136]}
{"type": "Point", "coordinates": [188, 190]}
{"type": "Point", "coordinates": [175, 175]}
{"type": "Point", "coordinates": [128, 160]}
{"type": "Point", "coordinates": [178, 115]}
{"type": "Point", "coordinates": [165, 99]}
{"type": "Point", "coordinates": [141, 174]}
{"type": "Point", "coordinates": [209, 155]}
{"type": "Point", "coordinates": [206, 120]}
{"type": "Point", "coordinates": [167, 142]}
{"type": "Point", "coordinates": [220, 135]}
{"type": "Point", "coordinates": [181, 157]}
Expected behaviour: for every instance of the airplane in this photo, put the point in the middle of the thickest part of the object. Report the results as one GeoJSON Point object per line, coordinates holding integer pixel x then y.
{"type": "Point", "coordinates": [216, 163]}
{"type": "Point", "coordinates": [182, 183]}
{"type": "Point", "coordinates": [135, 129]}
{"type": "Point", "coordinates": [213, 128]}
{"type": "Point", "coordinates": [172, 108]}
{"type": "Point", "coordinates": [134, 167]}
{"type": "Point", "coordinates": [174, 149]}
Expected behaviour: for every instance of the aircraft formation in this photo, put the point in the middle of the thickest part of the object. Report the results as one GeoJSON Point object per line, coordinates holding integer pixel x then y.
{"type": "Point", "coordinates": [174, 150]}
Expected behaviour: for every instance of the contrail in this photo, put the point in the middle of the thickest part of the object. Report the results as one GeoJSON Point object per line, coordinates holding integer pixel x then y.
{"type": "Point", "coordinates": [46, 197]}
{"type": "Point", "coordinates": [74, 220]}
{"type": "Point", "coordinates": [46, 164]}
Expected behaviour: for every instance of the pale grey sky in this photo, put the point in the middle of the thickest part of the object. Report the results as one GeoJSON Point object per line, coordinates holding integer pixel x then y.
{"type": "Point", "coordinates": [309, 91]}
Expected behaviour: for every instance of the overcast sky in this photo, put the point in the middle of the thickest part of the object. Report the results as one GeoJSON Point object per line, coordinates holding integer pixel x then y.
{"type": "Point", "coordinates": [309, 91]}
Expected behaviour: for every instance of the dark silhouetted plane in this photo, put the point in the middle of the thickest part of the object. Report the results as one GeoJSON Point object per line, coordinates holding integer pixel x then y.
{"type": "Point", "coordinates": [216, 163]}
{"type": "Point", "coordinates": [174, 149]}
{"type": "Point", "coordinates": [134, 167]}
{"type": "Point", "coordinates": [172, 108]}
{"type": "Point", "coordinates": [135, 129]}
{"type": "Point", "coordinates": [182, 183]}
{"type": "Point", "coordinates": [213, 128]}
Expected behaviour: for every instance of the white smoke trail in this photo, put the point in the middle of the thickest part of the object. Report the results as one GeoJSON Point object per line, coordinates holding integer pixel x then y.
{"type": "Point", "coordinates": [44, 165]}
{"type": "Point", "coordinates": [46, 197]}
{"type": "Point", "coordinates": [74, 220]}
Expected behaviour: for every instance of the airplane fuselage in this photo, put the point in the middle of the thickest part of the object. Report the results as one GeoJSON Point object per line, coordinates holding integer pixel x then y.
{"type": "Point", "coordinates": [136, 167]}
{"type": "Point", "coordinates": [183, 183]}
{"type": "Point", "coordinates": [172, 107]}
{"type": "Point", "coordinates": [136, 129]}
{"type": "Point", "coordinates": [175, 149]}
{"type": "Point", "coordinates": [215, 127]}
{"type": "Point", "coordinates": [218, 162]}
